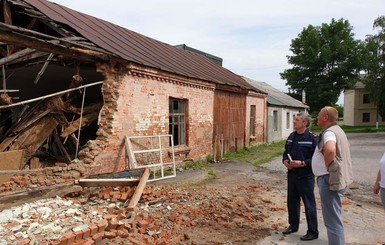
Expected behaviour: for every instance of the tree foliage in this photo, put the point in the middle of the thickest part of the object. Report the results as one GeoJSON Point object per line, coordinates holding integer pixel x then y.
{"type": "Point", "coordinates": [325, 61]}
{"type": "Point", "coordinates": [374, 60]}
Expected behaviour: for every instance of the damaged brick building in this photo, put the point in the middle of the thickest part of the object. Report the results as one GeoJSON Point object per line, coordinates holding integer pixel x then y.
{"type": "Point", "coordinates": [75, 86]}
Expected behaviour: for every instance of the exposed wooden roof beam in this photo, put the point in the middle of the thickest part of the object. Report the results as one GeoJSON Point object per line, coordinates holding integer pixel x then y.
{"type": "Point", "coordinates": [8, 20]}
{"type": "Point", "coordinates": [33, 23]}
{"type": "Point", "coordinates": [17, 36]}
{"type": "Point", "coordinates": [17, 55]}
{"type": "Point", "coordinates": [7, 13]}
{"type": "Point", "coordinates": [66, 41]}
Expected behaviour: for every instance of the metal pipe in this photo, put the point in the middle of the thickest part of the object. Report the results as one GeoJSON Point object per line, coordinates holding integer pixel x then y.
{"type": "Point", "coordinates": [50, 95]}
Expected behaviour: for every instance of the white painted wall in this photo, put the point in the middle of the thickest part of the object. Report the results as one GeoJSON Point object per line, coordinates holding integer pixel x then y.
{"type": "Point", "coordinates": [284, 127]}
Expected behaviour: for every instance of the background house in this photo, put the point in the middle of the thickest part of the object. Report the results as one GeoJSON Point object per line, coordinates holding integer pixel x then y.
{"type": "Point", "coordinates": [281, 110]}
{"type": "Point", "coordinates": [359, 110]}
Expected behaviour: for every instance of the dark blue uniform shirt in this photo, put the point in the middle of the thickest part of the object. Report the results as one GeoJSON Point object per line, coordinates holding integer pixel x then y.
{"type": "Point", "coordinates": [301, 147]}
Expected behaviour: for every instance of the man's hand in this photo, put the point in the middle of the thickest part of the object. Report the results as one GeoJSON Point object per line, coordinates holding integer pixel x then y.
{"type": "Point", "coordinates": [376, 188]}
{"type": "Point", "coordinates": [287, 164]}
{"type": "Point", "coordinates": [293, 164]}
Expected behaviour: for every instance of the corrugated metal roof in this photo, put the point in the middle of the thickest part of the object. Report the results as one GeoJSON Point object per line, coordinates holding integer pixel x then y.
{"type": "Point", "coordinates": [138, 48]}
{"type": "Point", "coordinates": [274, 96]}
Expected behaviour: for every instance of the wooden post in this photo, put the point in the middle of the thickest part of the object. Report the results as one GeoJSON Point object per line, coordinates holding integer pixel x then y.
{"type": "Point", "coordinates": [139, 190]}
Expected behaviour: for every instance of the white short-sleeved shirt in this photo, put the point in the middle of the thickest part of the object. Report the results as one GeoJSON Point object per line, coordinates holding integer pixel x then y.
{"type": "Point", "coordinates": [318, 160]}
{"type": "Point", "coordinates": [382, 170]}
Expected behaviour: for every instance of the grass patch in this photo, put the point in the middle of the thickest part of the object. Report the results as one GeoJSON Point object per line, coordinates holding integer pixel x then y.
{"type": "Point", "coordinates": [258, 154]}
{"type": "Point", "coordinates": [350, 129]}
{"type": "Point", "coordinates": [202, 166]}
{"type": "Point", "coordinates": [195, 165]}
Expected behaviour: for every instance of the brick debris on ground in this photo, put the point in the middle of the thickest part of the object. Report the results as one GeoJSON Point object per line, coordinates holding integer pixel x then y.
{"type": "Point", "coordinates": [166, 214]}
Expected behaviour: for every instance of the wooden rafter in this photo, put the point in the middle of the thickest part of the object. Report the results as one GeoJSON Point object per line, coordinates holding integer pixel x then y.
{"type": "Point", "coordinates": [61, 46]}
{"type": "Point", "coordinates": [8, 20]}
{"type": "Point", "coordinates": [33, 24]}
{"type": "Point", "coordinates": [16, 56]}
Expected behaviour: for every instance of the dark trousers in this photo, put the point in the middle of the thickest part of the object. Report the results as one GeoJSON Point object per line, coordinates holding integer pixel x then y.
{"type": "Point", "coordinates": [302, 187]}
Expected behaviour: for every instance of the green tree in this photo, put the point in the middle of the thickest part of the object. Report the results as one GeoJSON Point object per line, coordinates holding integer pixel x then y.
{"type": "Point", "coordinates": [340, 110]}
{"type": "Point", "coordinates": [325, 61]}
{"type": "Point", "coordinates": [375, 65]}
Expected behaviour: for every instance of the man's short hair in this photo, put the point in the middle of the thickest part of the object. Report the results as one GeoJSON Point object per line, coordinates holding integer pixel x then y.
{"type": "Point", "coordinates": [305, 117]}
{"type": "Point", "coordinates": [332, 113]}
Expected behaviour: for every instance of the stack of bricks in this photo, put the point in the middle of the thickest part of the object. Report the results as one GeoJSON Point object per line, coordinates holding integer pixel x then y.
{"type": "Point", "coordinates": [115, 194]}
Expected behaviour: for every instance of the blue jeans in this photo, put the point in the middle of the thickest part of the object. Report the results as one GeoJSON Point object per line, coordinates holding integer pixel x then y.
{"type": "Point", "coordinates": [332, 211]}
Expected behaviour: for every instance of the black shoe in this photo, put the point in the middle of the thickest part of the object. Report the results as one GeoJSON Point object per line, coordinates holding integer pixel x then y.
{"type": "Point", "coordinates": [289, 230]}
{"type": "Point", "coordinates": [308, 237]}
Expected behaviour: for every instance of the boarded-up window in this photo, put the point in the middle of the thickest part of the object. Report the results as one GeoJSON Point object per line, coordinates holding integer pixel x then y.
{"type": "Point", "coordinates": [275, 119]}
{"type": "Point", "coordinates": [177, 120]}
{"type": "Point", "coordinates": [252, 120]}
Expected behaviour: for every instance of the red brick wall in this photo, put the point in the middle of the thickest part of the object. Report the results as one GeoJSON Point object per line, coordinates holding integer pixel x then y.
{"type": "Point", "coordinates": [137, 103]}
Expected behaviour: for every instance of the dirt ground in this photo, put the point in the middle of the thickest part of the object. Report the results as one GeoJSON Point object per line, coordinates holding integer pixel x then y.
{"type": "Point", "coordinates": [247, 205]}
{"type": "Point", "coordinates": [242, 205]}
{"type": "Point", "coordinates": [258, 193]}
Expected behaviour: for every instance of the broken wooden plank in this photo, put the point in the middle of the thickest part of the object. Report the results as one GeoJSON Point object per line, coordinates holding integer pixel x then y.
{"type": "Point", "coordinates": [8, 20]}
{"type": "Point", "coordinates": [28, 171]}
{"type": "Point", "coordinates": [106, 182]}
{"type": "Point", "coordinates": [131, 173]}
{"type": "Point", "coordinates": [17, 55]}
{"type": "Point", "coordinates": [10, 160]}
{"type": "Point", "coordinates": [9, 34]}
{"type": "Point", "coordinates": [30, 140]}
{"type": "Point", "coordinates": [42, 70]}
{"type": "Point", "coordinates": [126, 178]}
{"type": "Point", "coordinates": [61, 146]}
{"type": "Point", "coordinates": [34, 163]}
{"type": "Point", "coordinates": [7, 142]}
{"type": "Point", "coordinates": [73, 127]}
{"type": "Point", "coordinates": [139, 189]}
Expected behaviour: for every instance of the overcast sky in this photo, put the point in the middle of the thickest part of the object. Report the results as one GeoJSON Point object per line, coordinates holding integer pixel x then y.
{"type": "Point", "coordinates": [252, 37]}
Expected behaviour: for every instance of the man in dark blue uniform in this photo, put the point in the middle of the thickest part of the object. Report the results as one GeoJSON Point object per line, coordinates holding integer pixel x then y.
{"type": "Point", "coordinates": [299, 149]}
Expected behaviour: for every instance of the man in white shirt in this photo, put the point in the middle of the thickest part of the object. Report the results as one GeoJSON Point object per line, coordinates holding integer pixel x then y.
{"type": "Point", "coordinates": [331, 164]}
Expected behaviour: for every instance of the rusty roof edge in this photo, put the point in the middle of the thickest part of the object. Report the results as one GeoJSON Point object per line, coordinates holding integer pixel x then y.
{"type": "Point", "coordinates": [219, 74]}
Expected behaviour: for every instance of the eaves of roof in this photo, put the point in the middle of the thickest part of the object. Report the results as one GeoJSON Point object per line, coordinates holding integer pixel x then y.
{"type": "Point", "coordinates": [274, 96]}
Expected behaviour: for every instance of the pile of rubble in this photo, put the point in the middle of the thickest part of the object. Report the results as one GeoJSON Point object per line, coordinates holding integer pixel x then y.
{"type": "Point", "coordinates": [164, 215]}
